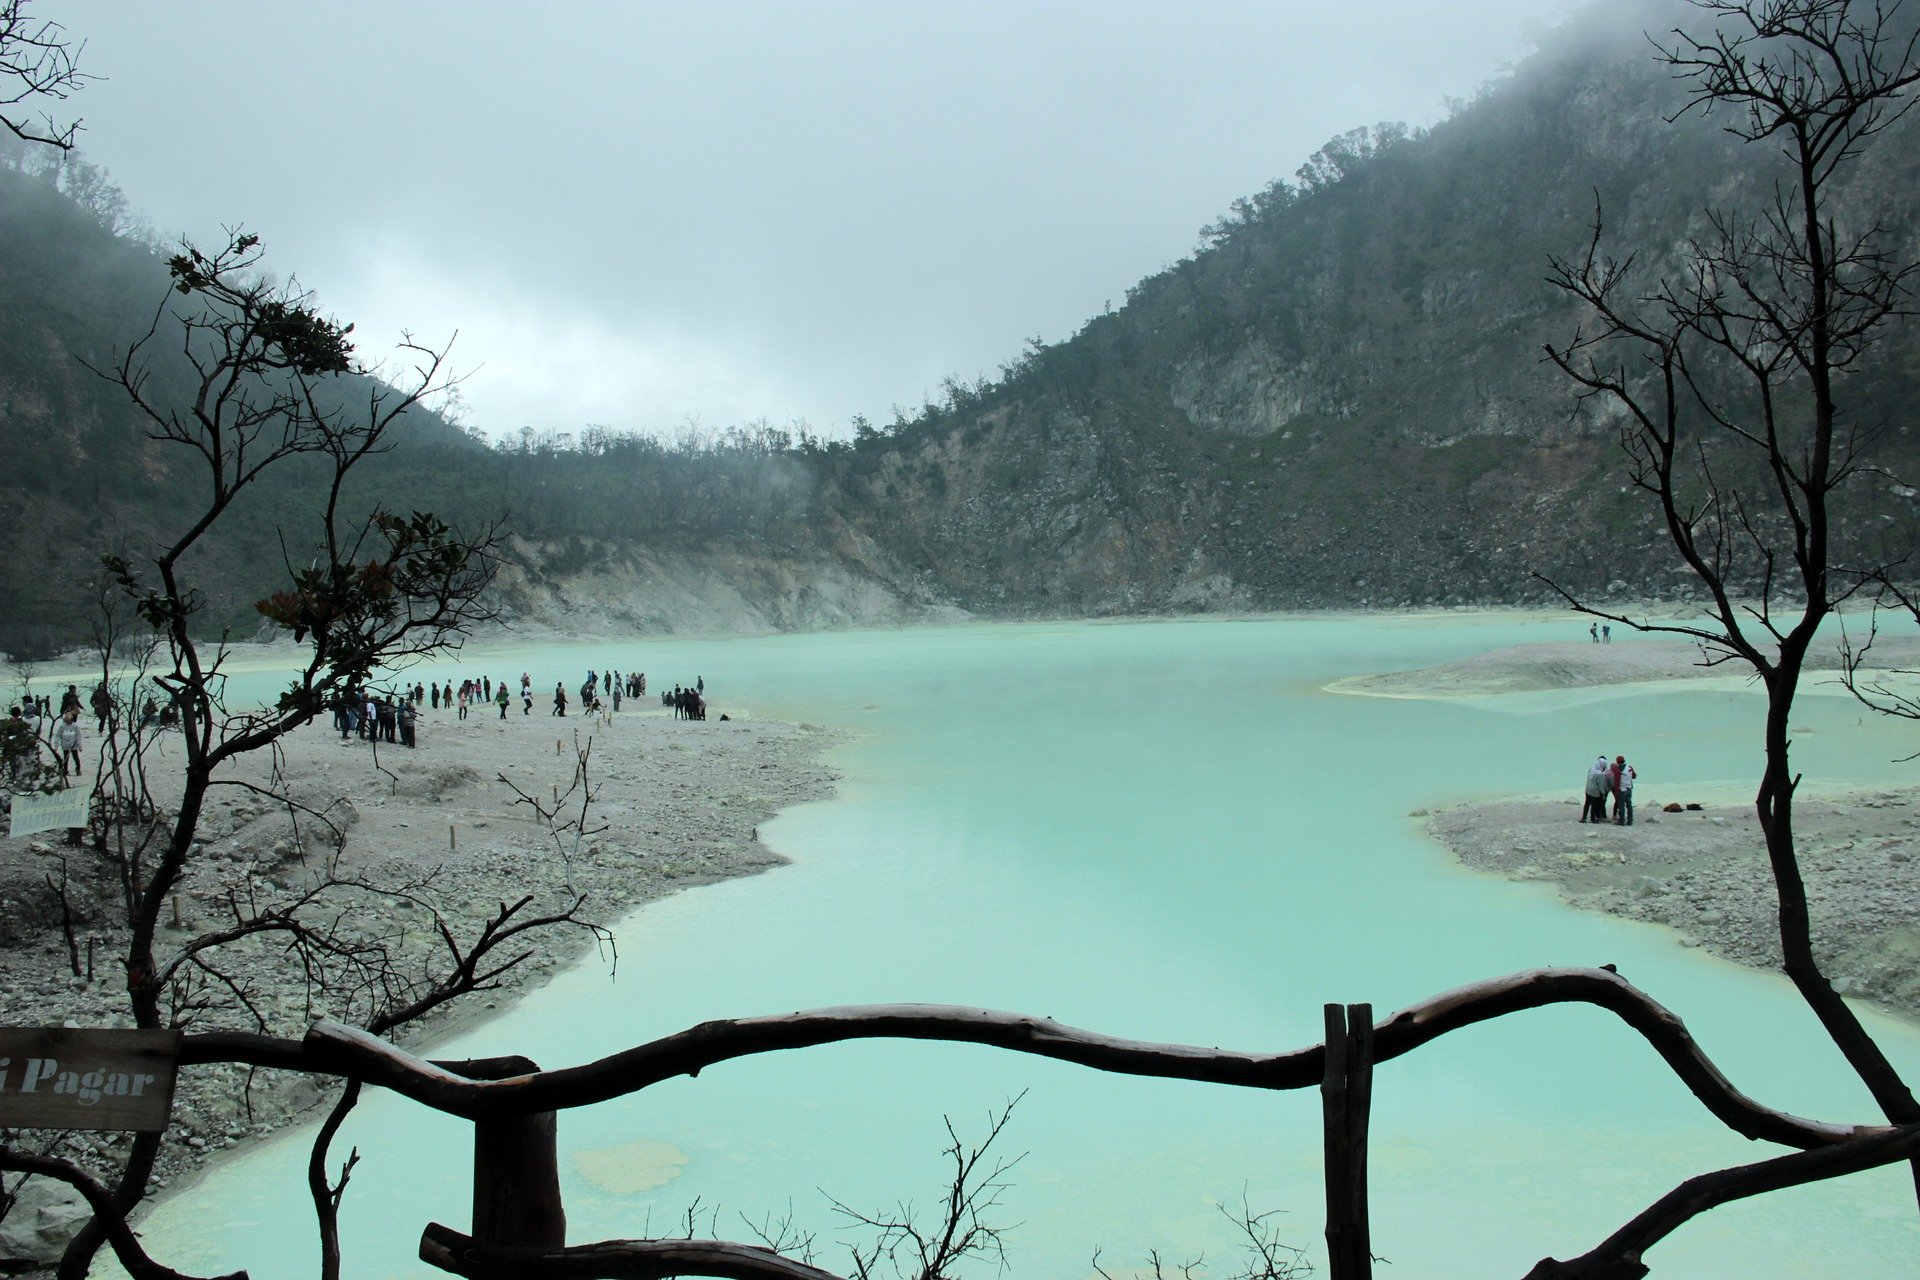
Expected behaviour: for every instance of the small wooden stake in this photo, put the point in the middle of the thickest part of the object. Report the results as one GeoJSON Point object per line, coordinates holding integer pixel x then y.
{"type": "Point", "coordinates": [452, 844]}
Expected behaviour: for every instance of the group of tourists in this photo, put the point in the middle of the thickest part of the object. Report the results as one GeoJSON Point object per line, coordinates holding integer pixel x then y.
{"type": "Point", "coordinates": [378, 716]}
{"type": "Point", "coordinates": [601, 691]}
{"type": "Point", "coordinates": [478, 691]}
{"type": "Point", "coordinates": [1609, 778]}
{"type": "Point", "coordinates": [372, 715]}
{"type": "Point", "coordinates": [687, 704]}
{"type": "Point", "coordinates": [391, 717]}
{"type": "Point", "coordinates": [28, 724]}
{"type": "Point", "coordinates": [35, 721]}
{"type": "Point", "coordinates": [101, 701]}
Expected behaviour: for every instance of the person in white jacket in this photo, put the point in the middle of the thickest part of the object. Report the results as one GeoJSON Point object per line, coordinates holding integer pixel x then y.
{"type": "Point", "coordinates": [66, 741]}
{"type": "Point", "coordinates": [1595, 808]}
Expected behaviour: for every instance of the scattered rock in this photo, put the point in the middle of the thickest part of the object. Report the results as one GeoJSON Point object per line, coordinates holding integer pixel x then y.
{"type": "Point", "coordinates": [1710, 881]}
{"type": "Point", "coordinates": [45, 1215]}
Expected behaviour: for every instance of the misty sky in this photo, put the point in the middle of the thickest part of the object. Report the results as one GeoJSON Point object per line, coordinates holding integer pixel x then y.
{"type": "Point", "coordinates": [641, 214]}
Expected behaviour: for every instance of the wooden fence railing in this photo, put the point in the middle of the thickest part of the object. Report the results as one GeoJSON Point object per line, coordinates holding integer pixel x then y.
{"type": "Point", "coordinates": [519, 1220]}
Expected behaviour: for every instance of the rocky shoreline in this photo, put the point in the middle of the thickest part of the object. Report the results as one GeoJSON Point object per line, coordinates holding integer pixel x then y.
{"type": "Point", "coordinates": [1704, 873]}
{"type": "Point", "coordinates": [680, 803]}
{"type": "Point", "coordinates": [1701, 869]}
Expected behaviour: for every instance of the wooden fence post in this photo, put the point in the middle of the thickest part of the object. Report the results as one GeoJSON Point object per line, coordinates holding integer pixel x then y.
{"type": "Point", "coordinates": [1346, 1096]}
{"type": "Point", "coordinates": [516, 1168]}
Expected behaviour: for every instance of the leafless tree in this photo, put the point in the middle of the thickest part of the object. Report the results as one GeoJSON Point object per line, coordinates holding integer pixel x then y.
{"type": "Point", "coordinates": [1886, 687]}
{"type": "Point", "coordinates": [272, 381]}
{"type": "Point", "coordinates": [25, 670]}
{"type": "Point", "coordinates": [910, 1244]}
{"type": "Point", "coordinates": [566, 816]}
{"type": "Point", "coordinates": [39, 64]}
{"type": "Point", "coordinates": [1728, 370]}
{"type": "Point", "coordinates": [1263, 1254]}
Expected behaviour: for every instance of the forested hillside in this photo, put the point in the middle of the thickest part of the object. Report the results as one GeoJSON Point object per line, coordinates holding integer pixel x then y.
{"type": "Point", "coordinates": [1342, 400]}
{"type": "Point", "coordinates": [1338, 400]}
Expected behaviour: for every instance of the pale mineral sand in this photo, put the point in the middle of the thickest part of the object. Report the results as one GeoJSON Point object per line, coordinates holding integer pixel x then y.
{"type": "Point", "coordinates": [1629, 659]}
{"type": "Point", "coordinates": [1701, 871]}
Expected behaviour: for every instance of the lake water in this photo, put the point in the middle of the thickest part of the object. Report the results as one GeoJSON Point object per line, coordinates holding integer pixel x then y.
{"type": "Point", "coordinates": [1162, 831]}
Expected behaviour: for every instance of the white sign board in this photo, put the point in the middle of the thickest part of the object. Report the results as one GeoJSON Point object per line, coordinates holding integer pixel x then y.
{"type": "Point", "coordinates": [35, 812]}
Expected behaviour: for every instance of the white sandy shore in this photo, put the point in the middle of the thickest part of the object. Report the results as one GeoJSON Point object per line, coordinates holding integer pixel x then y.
{"type": "Point", "coordinates": [1703, 871]}
{"type": "Point", "coordinates": [1630, 659]}
{"type": "Point", "coordinates": [680, 803]}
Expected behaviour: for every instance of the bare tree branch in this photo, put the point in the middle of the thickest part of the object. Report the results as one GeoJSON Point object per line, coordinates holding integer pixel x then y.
{"type": "Point", "coordinates": [39, 64]}
{"type": "Point", "coordinates": [1618, 1257]}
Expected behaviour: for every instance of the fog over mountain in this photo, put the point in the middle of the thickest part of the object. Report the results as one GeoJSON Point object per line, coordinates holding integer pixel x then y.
{"type": "Point", "coordinates": [1337, 400]}
{"type": "Point", "coordinates": [642, 214]}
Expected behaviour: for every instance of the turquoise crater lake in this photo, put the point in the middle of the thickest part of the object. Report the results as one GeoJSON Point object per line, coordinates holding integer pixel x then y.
{"type": "Point", "coordinates": [1161, 830]}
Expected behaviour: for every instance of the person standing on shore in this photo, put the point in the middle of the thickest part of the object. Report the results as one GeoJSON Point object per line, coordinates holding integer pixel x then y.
{"type": "Point", "coordinates": [1595, 809]}
{"type": "Point", "coordinates": [1594, 631]}
{"type": "Point", "coordinates": [66, 742]}
{"type": "Point", "coordinates": [1623, 775]}
{"type": "Point", "coordinates": [560, 698]}
{"type": "Point", "coordinates": [502, 697]}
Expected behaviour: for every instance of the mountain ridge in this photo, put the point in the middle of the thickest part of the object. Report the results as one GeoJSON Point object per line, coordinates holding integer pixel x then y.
{"type": "Point", "coordinates": [1337, 401]}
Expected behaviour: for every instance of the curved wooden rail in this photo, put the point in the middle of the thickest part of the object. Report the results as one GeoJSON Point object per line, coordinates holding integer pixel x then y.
{"type": "Point", "coordinates": [333, 1049]}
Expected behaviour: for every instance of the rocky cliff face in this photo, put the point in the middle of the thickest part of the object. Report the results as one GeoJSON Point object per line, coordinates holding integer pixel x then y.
{"type": "Point", "coordinates": [714, 590]}
{"type": "Point", "coordinates": [1343, 400]}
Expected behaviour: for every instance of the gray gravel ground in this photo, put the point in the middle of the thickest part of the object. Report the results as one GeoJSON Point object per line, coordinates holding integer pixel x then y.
{"type": "Point", "coordinates": [681, 802]}
{"type": "Point", "coordinates": [1705, 874]}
